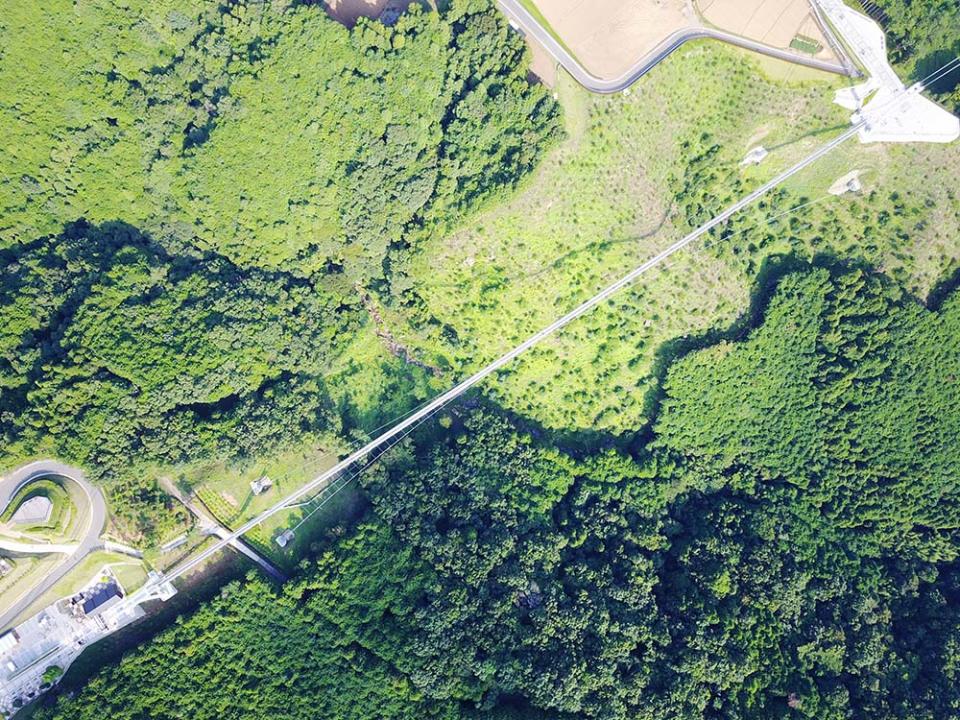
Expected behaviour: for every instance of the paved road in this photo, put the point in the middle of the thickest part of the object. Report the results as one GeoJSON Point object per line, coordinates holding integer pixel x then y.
{"type": "Point", "coordinates": [96, 519]}
{"type": "Point", "coordinates": [400, 430]}
{"type": "Point", "coordinates": [519, 15]}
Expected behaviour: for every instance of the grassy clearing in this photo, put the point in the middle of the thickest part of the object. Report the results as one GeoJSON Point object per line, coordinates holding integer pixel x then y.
{"type": "Point", "coordinates": [312, 522]}
{"type": "Point", "coordinates": [224, 489]}
{"type": "Point", "coordinates": [605, 201]}
{"type": "Point", "coordinates": [806, 44]}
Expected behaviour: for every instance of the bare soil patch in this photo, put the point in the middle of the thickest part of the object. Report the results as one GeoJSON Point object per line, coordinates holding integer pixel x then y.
{"type": "Point", "coordinates": [608, 36]}
{"type": "Point", "coordinates": [542, 65]}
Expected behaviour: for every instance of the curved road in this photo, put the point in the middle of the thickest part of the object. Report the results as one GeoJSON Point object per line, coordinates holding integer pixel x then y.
{"type": "Point", "coordinates": [96, 519]}
{"type": "Point", "coordinates": [520, 16]}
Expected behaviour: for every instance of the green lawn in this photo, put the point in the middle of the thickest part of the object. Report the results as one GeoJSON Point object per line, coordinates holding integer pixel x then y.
{"type": "Point", "coordinates": [27, 571]}
{"type": "Point", "coordinates": [224, 490]}
{"type": "Point", "coordinates": [604, 201]}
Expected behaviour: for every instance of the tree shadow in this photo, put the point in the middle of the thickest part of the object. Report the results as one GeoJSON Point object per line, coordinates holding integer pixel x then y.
{"type": "Point", "coordinates": [811, 133]}
{"type": "Point", "coordinates": [943, 289]}
{"type": "Point", "coordinates": [931, 63]}
{"type": "Point", "coordinates": [773, 270]}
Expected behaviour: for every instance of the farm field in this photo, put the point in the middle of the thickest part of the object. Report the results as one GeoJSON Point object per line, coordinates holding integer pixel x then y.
{"type": "Point", "coordinates": [608, 36]}
{"type": "Point", "coordinates": [775, 22]}
{"type": "Point", "coordinates": [606, 200]}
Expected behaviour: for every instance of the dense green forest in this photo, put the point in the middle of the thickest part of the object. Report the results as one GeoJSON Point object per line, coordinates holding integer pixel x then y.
{"type": "Point", "coordinates": [203, 206]}
{"type": "Point", "coordinates": [784, 543]}
{"type": "Point", "coordinates": [923, 35]}
{"type": "Point", "coordinates": [194, 196]}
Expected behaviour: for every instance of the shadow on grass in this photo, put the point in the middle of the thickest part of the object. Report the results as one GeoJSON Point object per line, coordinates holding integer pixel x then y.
{"type": "Point", "coordinates": [812, 133]}
{"type": "Point", "coordinates": [773, 269]}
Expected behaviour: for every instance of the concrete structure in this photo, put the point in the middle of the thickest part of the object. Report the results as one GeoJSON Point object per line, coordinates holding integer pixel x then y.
{"type": "Point", "coordinates": [174, 544]}
{"type": "Point", "coordinates": [755, 156]}
{"type": "Point", "coordinates": [38, 548]}
{"type": "Point", "coordinates": [100, 597]}
{"type": "Point", "coordinates": [847, 183]}
{"type": "Point", "coordinates": [8, 641]}
{"type": "Point", "coordinates": [261, 485]}
{"type": "Point", "coordinates": [892, 113]}
{"type": "Point", "coordinates": [284, 538]}
{"type": "Point", "coordinates": [35, 511]}
{"type": "Point", "coordinates": [57, 635]}
{"type": "Point", "coordinates": [95, 513]}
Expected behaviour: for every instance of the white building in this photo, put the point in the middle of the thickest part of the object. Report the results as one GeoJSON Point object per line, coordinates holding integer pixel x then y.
{"type": "Point", "coordinates": [8, 641]}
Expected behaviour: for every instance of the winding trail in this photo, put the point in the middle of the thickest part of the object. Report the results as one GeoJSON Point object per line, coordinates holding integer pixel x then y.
{"type": "Point", "coordinates": [96, 512]}
{"type": "Point", "coordinates": [521, 17]}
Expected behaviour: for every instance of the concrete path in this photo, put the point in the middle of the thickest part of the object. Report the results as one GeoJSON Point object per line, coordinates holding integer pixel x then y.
{"type": "Point", "coordinates": [96, 512]}
{"type": "Point", "coordinates": [20, 548]}
{"type": "Point", "coordinates": [515, 11]}
{"type": "Point", "coordinates": [913, 118]}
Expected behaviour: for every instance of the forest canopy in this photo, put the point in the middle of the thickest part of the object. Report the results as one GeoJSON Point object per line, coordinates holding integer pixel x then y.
{"type": "Point", "coordinates": [199, 202]}
{"type": "Point", "coordinates": [784, 545]}
{"type": "Point", "coordinates": [196, 195]}
{"type": "Point", "coordinates": [267, 133]}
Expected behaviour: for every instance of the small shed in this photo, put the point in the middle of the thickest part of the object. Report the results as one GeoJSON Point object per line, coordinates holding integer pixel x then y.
{"type": "Point", "coordinates": [284, 538]}
{"type": "Point", "coordinates": [755, 156]}
{"type": "Point", "coordinates": [261, 485]}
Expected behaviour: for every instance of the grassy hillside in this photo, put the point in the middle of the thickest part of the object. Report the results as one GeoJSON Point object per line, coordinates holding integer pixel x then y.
{"type": "Point", "coordinates": [636, 172]}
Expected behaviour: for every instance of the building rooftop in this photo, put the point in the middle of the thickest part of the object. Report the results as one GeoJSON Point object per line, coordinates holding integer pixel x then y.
{"type": "Point", "coordinates": [101, 596]}
{"type": "Point", "coordinates": [261, 485]}
{"type": "Point", "coordinates": [284, 538]}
